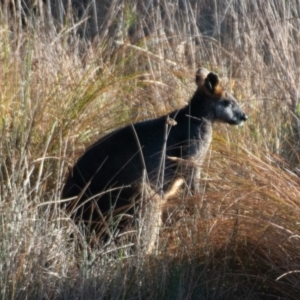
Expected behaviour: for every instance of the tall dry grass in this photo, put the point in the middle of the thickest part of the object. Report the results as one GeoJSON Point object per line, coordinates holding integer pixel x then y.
{"type": "Point", "coordinates": [238, 238]}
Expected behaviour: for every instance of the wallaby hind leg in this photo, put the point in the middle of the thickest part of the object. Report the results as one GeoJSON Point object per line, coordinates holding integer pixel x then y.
{"type": "Point", "coordinates": [196, 179]}
{"type": "Point", "coordinates": [154, 214]}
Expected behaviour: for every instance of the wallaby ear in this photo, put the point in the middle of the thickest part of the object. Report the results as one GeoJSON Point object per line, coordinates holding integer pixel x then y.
{"type": "Point", "coordinates": [201, 74]}
{"type": "Point", "coordinates": [212, 84]}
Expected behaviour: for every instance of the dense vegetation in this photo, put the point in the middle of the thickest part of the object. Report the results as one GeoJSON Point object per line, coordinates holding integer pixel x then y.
{"type": "Point", "coordinates": [61, 90]}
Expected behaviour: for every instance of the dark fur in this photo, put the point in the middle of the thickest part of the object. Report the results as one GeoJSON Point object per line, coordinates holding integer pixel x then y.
{"type": "Point", "coordinates": [119, 159]}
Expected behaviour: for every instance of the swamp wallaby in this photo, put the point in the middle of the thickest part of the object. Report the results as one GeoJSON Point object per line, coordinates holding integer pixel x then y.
{"type": "Point", "coordinates": [148, 157]}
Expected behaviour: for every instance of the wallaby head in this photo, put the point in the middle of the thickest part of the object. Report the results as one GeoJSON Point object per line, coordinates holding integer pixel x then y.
{"type": "Point", "coordinates": [218, 104]}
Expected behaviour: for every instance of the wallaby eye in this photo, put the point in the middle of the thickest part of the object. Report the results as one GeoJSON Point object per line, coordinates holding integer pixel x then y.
{"type": "Point", "coordinates": [227, 103]}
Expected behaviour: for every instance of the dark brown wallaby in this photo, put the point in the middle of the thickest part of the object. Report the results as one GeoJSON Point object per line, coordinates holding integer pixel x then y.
{"type": "Point", "coordinates": [111, 177]}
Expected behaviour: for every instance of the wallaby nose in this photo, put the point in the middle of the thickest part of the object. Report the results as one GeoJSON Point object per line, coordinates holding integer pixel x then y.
{"type": "Point", "coordinates": [244, 117]}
